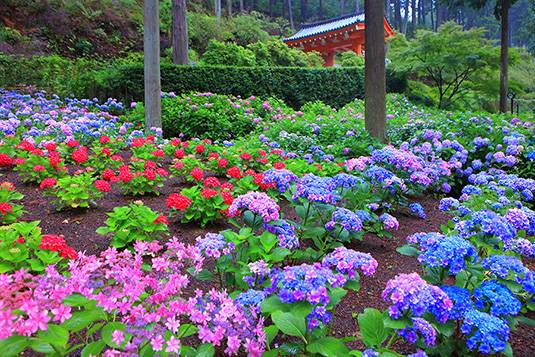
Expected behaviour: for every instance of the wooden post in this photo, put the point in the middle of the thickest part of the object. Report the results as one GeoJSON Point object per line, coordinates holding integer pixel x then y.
{"type": "Point", "coordinates": [375, 78]}
{"type": "Point", "coordinates": [329, 58]}
{"type": "Point", "coordinates": [151, 48]}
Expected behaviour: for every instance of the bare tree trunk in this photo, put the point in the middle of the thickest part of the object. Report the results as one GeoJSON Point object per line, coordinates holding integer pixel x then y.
{"type": "Point", "coordinates": [180, 32]}
{"type": "Point", "coordinates": [504, 55]}
{"type": "Point", "coordinates": [405, 17]}
{"type": "Point", "coordinates": [342, 7]}
{"type": "Point", "coordinates": [441, 15]}
{"type": "Point", "coordinates": [414, 17]}
{"type": "Point", "coordinates": [229, 8]}
{"type": "Point", "coordinates": [290, 14]}
{"type": "Point", "coordinates": [397, 15]}
{"type": "Point", "coordinates": [151, 48]}
{"type": "Point", "coordinates": [271, 3]}
{"type": "Point", "coordinates": [375, 81]}
{"type": "Point", "coordinates": [432, 12]}
{"type": "Point", "coordinates": [217, 6]}
{"type": "Point", "coordinates": [242, 7]}
{"type": "Point", "coordinates": [422, 11]}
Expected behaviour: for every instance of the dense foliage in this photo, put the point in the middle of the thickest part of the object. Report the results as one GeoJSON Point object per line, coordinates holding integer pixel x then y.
{"type": "Point", "coordinates": [292, 195]}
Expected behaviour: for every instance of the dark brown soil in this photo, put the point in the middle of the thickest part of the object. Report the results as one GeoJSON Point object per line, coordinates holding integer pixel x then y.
{"type": "Point", "coordinates": [79, 227]}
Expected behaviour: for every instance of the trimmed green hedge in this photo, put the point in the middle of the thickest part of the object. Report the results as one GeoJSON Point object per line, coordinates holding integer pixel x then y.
{"type": "Point", "coordinates": [295, 86]}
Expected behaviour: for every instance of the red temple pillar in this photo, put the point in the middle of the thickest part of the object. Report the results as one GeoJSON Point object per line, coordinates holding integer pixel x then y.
{"type": "Point", "coordinates": [328, 57]}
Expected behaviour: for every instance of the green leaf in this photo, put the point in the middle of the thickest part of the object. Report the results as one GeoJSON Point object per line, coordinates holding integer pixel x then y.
{"type": "Point", "coordinates": [41, 346]}
{"type": "Point", "coordinates": [328, 346]}
{"type": "Point", "coordinates": [94, 348]}
{"type": "Point", "coordinates": [205, 350]}
{"type": "Point", "coordinates": [14, 345]}
{"type": "Point", "coordinates": [76, 300]}
{"type": "Point", "coordinates": [107, 331]}
{"type": "Point", "coordinates": [336, 295]}
{"type": "Point", "coordinates": [271, 353]}
{"type": "Point", "coordinates": [187, 330]}
{"type": "Point", "coordinates": [372, 327]}
{"type": "Point", "coordinates": [526, 321]}
{"type": "Point", "coordinates": [5, 267]}
{"type": "Point", "coordinates": [272, 304]}
{"type": "Point", "coordinates": [508, 351]}
{"type": "Point", "coordinates": [408, 250]}
{"type": "Point", "coordinates": [55, 335]}
{"type": "Point", "coordinates": [81, 319]}
{"type": "Point", "coordinates": [204, 275]}
{"type": "Point", "coordinates": [271, 332]}
{"type": "Point", "coordinates": [289, 323]}
{"type": "Point", "coordinates": [395, 324]}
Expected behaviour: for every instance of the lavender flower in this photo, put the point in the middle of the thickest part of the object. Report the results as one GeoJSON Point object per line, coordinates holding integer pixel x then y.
{"type": "Point", "coordinates": [347, 219]}
{"type": "Point", "coordinates": [411, 294]}
{"type": "Point", "coordinates": [257, 202]}
{"type": "Point", "coordinates": [422, 327]}
{"type": "Point", "coordinates": [347, 261]}
{"type": "Point", "coordinates": [316, 189]}
{"type": "Point", "coordinates": [213, 245]}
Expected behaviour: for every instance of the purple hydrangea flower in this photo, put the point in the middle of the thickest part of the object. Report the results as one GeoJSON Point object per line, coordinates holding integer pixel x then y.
{"type": "Point", "coordinates": [347, 261]}
{"type": "Point", "coordinates": [257, 202]}
{"type": "Point", "coordinates": [409, 293]}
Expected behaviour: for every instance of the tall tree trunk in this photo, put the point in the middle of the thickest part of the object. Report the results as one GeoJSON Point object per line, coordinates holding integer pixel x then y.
{"type": "Point", "coordinates": [397, 14]}
{"type": "Point", "coordinates": [151, 49]}
{"type": "Point", "coordinates": [441, 14]}
{"type": "Point", "coordinates": [180, 32]}
{"type": "Point", "coordinates": [271, 4]}
{"type": "Point", "coordinates": [229, 8]}
{"type": "Point", "coordinates": [242, 7]}
{"type": "Point", "coordinates": [320, 10]}
{"type": "Point", "coordinates": [422, 11]}
{"type": "Point", "coordinates": [375, 81]}
{"type": "Point", "coordinates": [414, 17]}
{"type": "Point", "coordinates": [432, 13]}
{"type": "Point", "coordinates": [304, 10]}
{"type": "Point", "coordinates": [217, 6]}
{"type": "Point", "coordinates": [290, 14]}
{"type": "Point", "coordinates": [405, 17]}
{"type": "Point", "coordinates": [342, 7]}
{"type": "Point", "coordinates": [504, 55]}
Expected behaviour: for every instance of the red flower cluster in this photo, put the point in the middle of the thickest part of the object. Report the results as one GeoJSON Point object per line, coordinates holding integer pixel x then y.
{"type": "Point", "coordinates": [47, 183]}
{"type": "Point", "coordinates": [5, 208]}
{"type": "Point", "coordinates": [246, 156]}
{"type": "Point", "coordinates": [199, 149]}
{"type": "Point", "coordinates": [38, 168]}
{"type": "Point", "coordinates": [279, 165]}
{"type": "Point", "coordinates": [5, 160]}
{"type": "Point", "coordinates": [180, 153]}
{"type": "Point", "coordinates": [178, 201]}
{"type": "Point", "coordinates": [222, 163]}
{"type": "Point", "coordinates": [80, 155]}
{"type": "Point", "coordinates": [56, 243]}
{"type": "Point", "coordinates": [102, 186]}
{"type": "Point", "coordinates": [104, 139]}
{"type": "Point", "coordinates": [197, 174]}
{"type": "Point", "coordinates": [161, 219]}
{"type": "Point", "coordinates": [209, 193]}
{"type": "Point", "coordinates": [125, 174]}
{"type": "Point", "coordinates": [234, 172]}
{"type": "Point", "coordinates": [211, 182]}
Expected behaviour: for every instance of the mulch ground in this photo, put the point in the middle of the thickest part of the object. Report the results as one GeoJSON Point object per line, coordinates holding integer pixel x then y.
{"type": "Point", "coordinates": [78, 227]}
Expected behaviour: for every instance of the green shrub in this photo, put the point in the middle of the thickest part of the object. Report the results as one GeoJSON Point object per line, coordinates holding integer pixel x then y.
{"type": "Point", "coordinates": [203, 116]}
{"type": "Point", "coordinates": [295, 86]}
{"type": "Point", "coordinates": [350, 59]}
{"type": "Point", "coordinates": [228, 54]}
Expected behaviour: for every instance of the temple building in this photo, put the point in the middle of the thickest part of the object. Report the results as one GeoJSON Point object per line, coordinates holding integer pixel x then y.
{"type": "Point", "coordinates": [327, 37]}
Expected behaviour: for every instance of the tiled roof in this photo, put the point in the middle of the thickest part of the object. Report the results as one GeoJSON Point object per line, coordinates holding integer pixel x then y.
{"type": "Point", "coordinates": [316, 28]}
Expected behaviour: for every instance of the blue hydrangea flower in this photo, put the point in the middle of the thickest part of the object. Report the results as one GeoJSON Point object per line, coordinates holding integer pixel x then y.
{"type": "Point", "coordinates": [347, 219]}
{"type": "Point", "coordinates": [419, 327]}
{"type": "Point", "coordinates": [417, 209]}
{"type": "Point", "coordinates": [251, 298]}
{"type": "Point", "coordinates": [462, 301]}
{"type": "Point", "coordinates": [486, 333]}
{"type": "Point", "coordinates": [285, 232]}
{"type": "Point", "coordinates": [282, 178]}
{"type": "Point", "coordinates": [498, 298]}
{"type": "Point", "coordinates": [444, 251]}
{"type": "Point", "coordinates": [316, 189]}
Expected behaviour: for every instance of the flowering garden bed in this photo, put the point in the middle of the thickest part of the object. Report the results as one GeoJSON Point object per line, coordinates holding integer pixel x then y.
{"type": "Point", "coordinates": [295, 239]}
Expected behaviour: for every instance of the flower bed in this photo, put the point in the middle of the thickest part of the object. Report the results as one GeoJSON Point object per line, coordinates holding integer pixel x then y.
{"type": "Point", "coordinates": [288, 240]}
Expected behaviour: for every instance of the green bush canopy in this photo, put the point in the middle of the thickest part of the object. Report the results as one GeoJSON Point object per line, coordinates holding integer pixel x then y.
{"type": "Point", "coordinates": [296, 86]}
